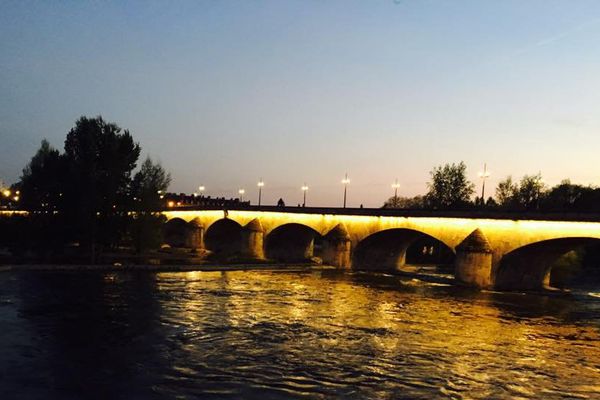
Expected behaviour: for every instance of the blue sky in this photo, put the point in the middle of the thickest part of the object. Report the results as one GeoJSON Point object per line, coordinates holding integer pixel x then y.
{"type": "Point", "coordinates": [226, 92]}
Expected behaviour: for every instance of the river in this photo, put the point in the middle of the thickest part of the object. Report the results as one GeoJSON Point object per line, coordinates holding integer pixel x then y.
{"type": "Point", "coordinates": [281, 335]}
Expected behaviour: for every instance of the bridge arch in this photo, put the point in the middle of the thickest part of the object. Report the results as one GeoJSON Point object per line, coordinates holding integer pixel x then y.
{"type": "Point", "coordinates": [292, 242]}
{"type": "Point", "coordinates": [529, 267]}
{"type": "Point", "coordinates": [224, 237]}
{"type": "Point", "coordinates": [387, 249]}
{"type": "Point", "coordinates": [175, 232]}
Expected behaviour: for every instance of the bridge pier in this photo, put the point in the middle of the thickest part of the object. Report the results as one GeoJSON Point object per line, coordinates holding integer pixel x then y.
{"type": "Point", "coordinates": [337, 247]}
{"type": "Point", "coordinates": [195, 236]}
{"type": "Point", "coordinates": [253, 240]}
{"type": "Point", "coordinates": [473, 263]}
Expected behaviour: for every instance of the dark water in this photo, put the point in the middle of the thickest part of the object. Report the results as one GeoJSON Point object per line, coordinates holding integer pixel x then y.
{"type": "Point", "coordinates": [287, 335]}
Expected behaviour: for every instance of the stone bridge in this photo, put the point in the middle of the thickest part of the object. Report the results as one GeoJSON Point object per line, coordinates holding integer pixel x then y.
{"type": "Point", "coordinates": [505, 251]}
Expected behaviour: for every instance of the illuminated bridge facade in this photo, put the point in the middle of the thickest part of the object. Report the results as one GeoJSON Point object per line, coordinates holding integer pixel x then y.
{"type": "Point", "coordinates": [489, 250]}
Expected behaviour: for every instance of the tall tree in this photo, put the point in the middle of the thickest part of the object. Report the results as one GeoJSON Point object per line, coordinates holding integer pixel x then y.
{"type": "Point", "coordinates": [506, 192]}
{"type": "Point", "coordinates": [147, 223]}
{"type": "Point", "coordinates": [147, 184]}
{"type": "Point", "coordinates": [530, 192]}
{"type": "Point", "coordinates": [42, 181]}
{"type": "Point", "coordinates": [100, 158]}
{"type": "Point", "coordinates": [449, 187]}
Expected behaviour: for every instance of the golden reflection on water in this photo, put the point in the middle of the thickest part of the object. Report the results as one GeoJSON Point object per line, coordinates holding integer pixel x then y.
{"type": "Point", "coordinates": [420, 336]}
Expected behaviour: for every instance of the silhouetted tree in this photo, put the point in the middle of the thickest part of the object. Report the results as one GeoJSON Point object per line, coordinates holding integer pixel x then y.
{"type": "Point", "coordinates": [449, 187]}
{"type": "Point", "coordinates": [416, 202]}
{"type": "Point", "coordinates": [100, 158]}
{"type": "Point", "coordinates": [530, 191]}
{"type": "Point", "coordinates": [566, 197]}
{"type": "Point", "coordinates": [147, 223]}
{"type": "Point", "coordinates": [506, 192]}
{"type": "Point", "coordinates": [42, 182]}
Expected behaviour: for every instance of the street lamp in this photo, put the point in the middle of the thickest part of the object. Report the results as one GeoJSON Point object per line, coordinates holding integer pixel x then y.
{"type": "Point", "coordinates": [304, 190]}
{"type": "Point", "coordinates": [260, 186]}
{"type": "Point", "coordinates": [241, 192]}
{"type": "Point", "coordinates": [483, 175]}
{"type": "Point", "coordinates": [201, 189]}
{"type": "Point", "coordinates": [395, 186]}
{"type": "Point", "coordinates": [345, 182]}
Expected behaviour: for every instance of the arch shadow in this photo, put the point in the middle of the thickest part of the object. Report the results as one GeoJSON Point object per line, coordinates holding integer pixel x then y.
{"type": "Point", "coordinates": [175, 232]}
{"type": "Point", "coordinates": [224, 237]}
{"type": "Point", "coordinates": [292, 242]}
{"type": "Point", "coordinates": [392, 248]}
{"type": "Point", "coordinates": [530, 267]}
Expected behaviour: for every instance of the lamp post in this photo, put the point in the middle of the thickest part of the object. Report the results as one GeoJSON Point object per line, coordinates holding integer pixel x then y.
{"type": "Point", "coordinates": [241, 192]}
{"type": "Point", "coordinates": [260, 186]}
{"type": "Point", "coordinates": [395, 186]}
{"type": "Point", "coordinates": [345, 182]}
{"type": "Point", "coordinates": [304, 190]}
{"type": "Point", "coordinates": [483, 175]}
{"type": "Point", "coordinates": [201, 189]}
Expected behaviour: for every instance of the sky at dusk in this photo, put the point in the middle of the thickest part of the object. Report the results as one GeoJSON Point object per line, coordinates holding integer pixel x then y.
{"type": "Point", "coordinates": [223, 93]}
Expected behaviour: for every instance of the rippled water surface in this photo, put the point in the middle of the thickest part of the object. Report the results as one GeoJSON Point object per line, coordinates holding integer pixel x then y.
{"type": "Point", "coordinates": [318, 334]}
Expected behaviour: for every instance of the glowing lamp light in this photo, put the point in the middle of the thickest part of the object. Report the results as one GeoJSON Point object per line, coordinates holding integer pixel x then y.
{"type": "Point", "coordinates": [345, 181]}
{"type": "Point", "coordinates": [260, 184]}
{"type": "Point", "coordinates": [201, 188]}
{"type": "Point", "coordinates": [483, 175]}
{"type": "Point", "coordinates": [395, 186]}
{"type": "Point", "coordinates": [304, 190]}
{"type": "Point", "coordinates": [171, 204]}
{"type": "Point", "coordinates": [6, 193]}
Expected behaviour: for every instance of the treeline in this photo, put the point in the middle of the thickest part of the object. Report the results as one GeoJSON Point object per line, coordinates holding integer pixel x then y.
{"type": "Point", "coordinates": [449, 188]}
{"type": "Point", "coordinates": [86, 200]}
